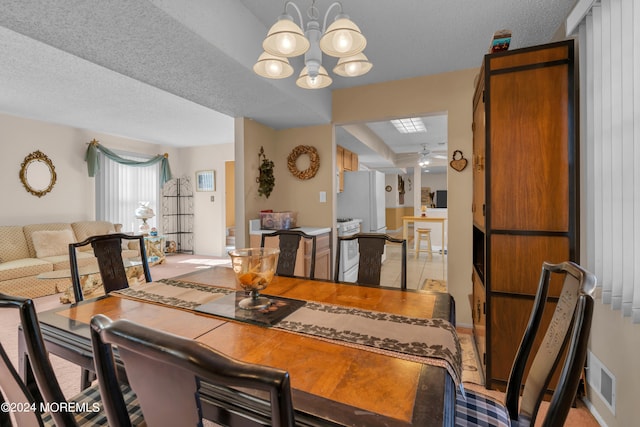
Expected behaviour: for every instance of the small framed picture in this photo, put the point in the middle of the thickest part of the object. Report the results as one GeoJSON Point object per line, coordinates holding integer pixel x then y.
{"type": "Point", "coordinates": [206, 181]}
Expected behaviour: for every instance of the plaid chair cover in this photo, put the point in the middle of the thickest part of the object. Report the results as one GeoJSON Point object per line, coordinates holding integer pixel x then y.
{"type": "Point", "coordinates": [96, 416]}
{"type": "Point", "coordinates": [479, 410]}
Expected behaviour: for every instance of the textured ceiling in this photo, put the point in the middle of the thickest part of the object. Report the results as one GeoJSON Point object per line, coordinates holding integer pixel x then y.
{"type": "Point", "coordinates": [175, 72]}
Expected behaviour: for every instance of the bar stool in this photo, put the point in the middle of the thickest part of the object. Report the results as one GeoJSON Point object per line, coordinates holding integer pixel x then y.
{"type": "Point", "coordinates": [424, 234]}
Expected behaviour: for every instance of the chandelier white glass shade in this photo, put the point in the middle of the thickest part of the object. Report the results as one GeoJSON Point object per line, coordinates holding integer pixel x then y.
{"type": "Point", "coordinates": [285, 39]}
{"type": "Point", "coordinates": [353, 66]}
{"type": "Point", "coordinates": [273, 67]}
{"type": "Point", "coordinates": [342, 38]}
{"type": "Point", "coordinates": [320, 80]}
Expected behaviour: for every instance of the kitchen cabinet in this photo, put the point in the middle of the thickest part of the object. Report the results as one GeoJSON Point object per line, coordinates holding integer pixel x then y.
{"type": "Point", "coordinates": [303, 258]}
{"type": "Point", "coordinates": [345, 161]}
{"type": "Point", "coordinates": [525, 189]}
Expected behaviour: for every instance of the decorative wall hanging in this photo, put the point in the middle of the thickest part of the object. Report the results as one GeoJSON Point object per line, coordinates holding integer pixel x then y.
{"type": "Point", "coordinates": [314, 162]}
{"type": "Point", "coordinates": [266, 181]}
{"type": "Point", "coordinates": [458, 163]}
{"type": "Point", "coordinates": [206, 180]}
{"type": "Point", "coordinates": [37, 173]}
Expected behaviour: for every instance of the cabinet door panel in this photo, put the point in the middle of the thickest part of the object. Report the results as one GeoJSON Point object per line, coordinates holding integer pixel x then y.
{"type": "Point", "coordinates": [529, 150]}
{"type": "Point", "coordinates": [478, 162]}
{"type": "Point", "coordinates": [516, 262]}
{"type": "Point", "coordinates": [323, 264]}
{"type": "Point", "coordinates": [509, 318]}
{"type": "Point", "coordinates": [479, 318]}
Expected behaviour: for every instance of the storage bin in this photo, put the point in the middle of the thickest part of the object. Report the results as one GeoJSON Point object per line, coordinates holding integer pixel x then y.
{"type": "Point", "coordinates": [278, 220]}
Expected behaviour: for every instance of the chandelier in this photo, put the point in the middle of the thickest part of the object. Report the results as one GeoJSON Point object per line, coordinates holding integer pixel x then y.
{"type": "Point", "coordinates": [342, 39]}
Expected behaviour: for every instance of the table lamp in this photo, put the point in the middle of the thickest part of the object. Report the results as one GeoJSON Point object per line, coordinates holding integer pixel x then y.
{"type": "Point", "coordinates": [144, 212]}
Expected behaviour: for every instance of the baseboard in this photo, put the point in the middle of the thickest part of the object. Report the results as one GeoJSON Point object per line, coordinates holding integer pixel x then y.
{"type": "Point", "coordinates": [593, 411]}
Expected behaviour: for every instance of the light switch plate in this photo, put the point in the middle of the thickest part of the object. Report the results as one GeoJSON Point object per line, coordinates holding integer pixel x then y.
{"type": "Point", "coordinates": [323, 197]}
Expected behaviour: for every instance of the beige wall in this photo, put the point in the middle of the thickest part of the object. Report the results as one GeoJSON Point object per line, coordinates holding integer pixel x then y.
{"type": "Point", "coordinates": [394, 217]}
{"type": "Point", "coordinates": [304, 195]}
{"type": "Point", "coordinates": [616, 342]}
{"type": "Point", "coordinates": [448, 92]}
{"type": "Point", "coordinates": [73, 196]}
{"type": "Point", "coordinates": [289, 193]}
{"type": "Point", "coordinates": [209, 221]}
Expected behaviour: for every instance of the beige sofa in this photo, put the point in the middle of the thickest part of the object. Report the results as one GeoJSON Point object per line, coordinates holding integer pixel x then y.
{"type": "Point", "coordinates": [27, 251]}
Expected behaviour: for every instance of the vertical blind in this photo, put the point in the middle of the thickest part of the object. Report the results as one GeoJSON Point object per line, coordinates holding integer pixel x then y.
{"type": "Point", "coordinates": [120, 189]}
{"type": "Point", "coordinates": [609, 49]}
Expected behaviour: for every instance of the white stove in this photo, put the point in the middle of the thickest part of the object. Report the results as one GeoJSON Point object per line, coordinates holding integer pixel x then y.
{"type": "Point", "coordinates": [349, 253]}
{"type": "Point", "coordinates": [348, 226]}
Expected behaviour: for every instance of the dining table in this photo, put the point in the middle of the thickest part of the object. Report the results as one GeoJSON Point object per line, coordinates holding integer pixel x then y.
{"type": "Point", "coordinates": [334, 382]}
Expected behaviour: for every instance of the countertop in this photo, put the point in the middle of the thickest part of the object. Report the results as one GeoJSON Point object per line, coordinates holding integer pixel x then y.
{"type": "Point", "coordinates": [254, 228]}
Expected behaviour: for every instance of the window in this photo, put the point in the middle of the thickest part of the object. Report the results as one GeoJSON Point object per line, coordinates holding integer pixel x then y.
{"type": "Point", "coordinates": [121, 188]}
{"type": "Point", "coordinates": [609, 41]}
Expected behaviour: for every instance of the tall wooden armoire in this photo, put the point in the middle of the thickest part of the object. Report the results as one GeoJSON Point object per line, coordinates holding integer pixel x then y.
{"type": "Point", "coordinates": [525, 192]}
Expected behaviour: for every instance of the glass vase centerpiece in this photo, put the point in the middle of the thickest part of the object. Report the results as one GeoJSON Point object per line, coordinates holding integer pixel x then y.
{"type": "Point", "coordinates": [254, 269]}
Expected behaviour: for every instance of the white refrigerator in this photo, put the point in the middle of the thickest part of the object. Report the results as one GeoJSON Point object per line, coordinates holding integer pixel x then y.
{"type": "Point", "coordinates": [363, 198]}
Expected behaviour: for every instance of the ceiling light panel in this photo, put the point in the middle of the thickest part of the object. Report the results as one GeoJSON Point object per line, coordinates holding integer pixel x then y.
{"type": "Point", "coordinates": [411, 125]}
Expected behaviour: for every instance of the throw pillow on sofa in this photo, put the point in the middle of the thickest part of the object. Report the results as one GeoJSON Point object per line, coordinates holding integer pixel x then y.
{"type": "Point", "coordinates": [48, 243]}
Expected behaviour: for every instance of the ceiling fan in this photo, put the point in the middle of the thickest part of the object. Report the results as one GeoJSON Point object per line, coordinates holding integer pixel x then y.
{"type": "Point", "coordinates": [425, 156]}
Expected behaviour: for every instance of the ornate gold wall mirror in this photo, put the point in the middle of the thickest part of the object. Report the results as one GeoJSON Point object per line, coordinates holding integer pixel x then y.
{"type": "Point", "coordinates": [37, 173]}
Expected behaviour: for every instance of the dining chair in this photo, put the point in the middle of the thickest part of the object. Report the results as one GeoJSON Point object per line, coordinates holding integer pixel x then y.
{"type": "Point", "coordinates": [289, 244]}
{"type": "Point", "coordinates": [165, 371]}
{"type": "Point", "coordinates": [107, 248]}
{"type": "Point", "coordinates": [569, 328]}
{"type": "Point", "coordinates": [371, 248]}
{"type": "Point", "coordinates": [87, 406]}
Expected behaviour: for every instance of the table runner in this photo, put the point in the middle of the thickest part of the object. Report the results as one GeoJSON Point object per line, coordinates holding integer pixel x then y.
{"type": "Point", "coordinates": [429, 341]}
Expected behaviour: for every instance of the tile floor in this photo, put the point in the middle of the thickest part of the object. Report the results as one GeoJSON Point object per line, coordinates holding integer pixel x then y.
{"type": "Point", "coordinates": [418, 269]}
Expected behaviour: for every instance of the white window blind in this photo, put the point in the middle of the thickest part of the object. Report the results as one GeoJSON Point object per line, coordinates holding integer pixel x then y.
{"type": "Point", "coordinates": [120, 189]}
{"type": "Point", "coordinates": [609, 51]}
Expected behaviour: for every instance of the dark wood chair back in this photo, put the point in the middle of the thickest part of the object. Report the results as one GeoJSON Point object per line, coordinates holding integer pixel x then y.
{"type": "Point", "coordinates": [371, 248]}
{"type": "Point", "coordinates": [289, 244]}
{"type": "Point", "coordinates": [569, 328]}
{"type": "Point", "coordinates": [107, 248]}
{"type": "Point", "coordinates": [165, 371]}
{"type": "Point", "coordinates": [48, 389]}
{"type": "Point", "coordinates": [14, 390]}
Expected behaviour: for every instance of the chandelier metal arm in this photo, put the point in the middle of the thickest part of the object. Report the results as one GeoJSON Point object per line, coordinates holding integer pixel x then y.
{"type": "Point", "coordinates": [326, 15]}
{"type": "Point", "coordinates": [295, 6]}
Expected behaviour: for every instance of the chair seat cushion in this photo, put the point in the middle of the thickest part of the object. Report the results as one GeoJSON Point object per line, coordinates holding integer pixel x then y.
{"type": "Point", "coordinates": [480, 410]}
{"type": "Point", "coordinates": [90, 410]}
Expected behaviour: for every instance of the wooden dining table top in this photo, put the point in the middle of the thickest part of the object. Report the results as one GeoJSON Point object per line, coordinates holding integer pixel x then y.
{"type": "Point", "coordinates": [331, 382]}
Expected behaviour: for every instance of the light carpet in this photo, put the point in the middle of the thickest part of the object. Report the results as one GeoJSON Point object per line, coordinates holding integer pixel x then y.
{"type": "Point", "coordinates": [434, 285]}
{"type": "Point", "coordinates": [470, 362]}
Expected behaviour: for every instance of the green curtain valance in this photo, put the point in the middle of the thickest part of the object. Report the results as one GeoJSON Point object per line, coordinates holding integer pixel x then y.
{"type": "Point", "coordinates": [91, 158]}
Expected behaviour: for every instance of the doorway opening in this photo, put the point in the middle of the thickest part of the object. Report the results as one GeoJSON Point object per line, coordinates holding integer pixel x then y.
{"type": "Point", "coordinates": [414, 164]}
